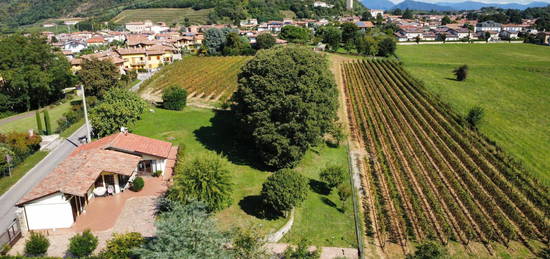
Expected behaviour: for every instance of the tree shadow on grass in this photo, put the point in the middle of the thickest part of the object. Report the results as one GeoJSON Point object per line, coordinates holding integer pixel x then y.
{"type": "Point", "coordinates": [451, 79]}
{"type": "Point", "coordinates": [221, 137]}
{"type": "Point", "coordinates": [253, 205]}
{"type": "Point", "coordinates": [328, 202]}
{"type": "Point", "coordinates": [319, 187]}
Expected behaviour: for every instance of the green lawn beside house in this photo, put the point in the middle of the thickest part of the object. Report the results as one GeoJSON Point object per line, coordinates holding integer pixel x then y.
{"type": "Point", "coordinates": [510, 81]}
{"type": "Point", "coordinates": [199, 130]}
{"type": "Point", "coordinates": [24, 124]}
{"type": "Point", "coordinates": [20, 170]}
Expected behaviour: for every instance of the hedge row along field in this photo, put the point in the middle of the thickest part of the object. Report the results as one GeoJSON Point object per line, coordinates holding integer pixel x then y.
{"type": "Point", "coordinates": [429, 177]}
{"type": "Point", "coordinates": [205, 78]}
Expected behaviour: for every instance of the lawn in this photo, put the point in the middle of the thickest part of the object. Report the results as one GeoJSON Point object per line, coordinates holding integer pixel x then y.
{"type": "Point", "coordinates": [21, 170]}
{"type": "Point", "coordinates": [167, 15]}
{"type": "Point", "coordinates": [204, 78]}
{"type": "Point", "coordinates": [199, 130]}
{"type": "Point", "coordinates": [510, 81]}
{"type": "Point", "coordinates": [27, 123]}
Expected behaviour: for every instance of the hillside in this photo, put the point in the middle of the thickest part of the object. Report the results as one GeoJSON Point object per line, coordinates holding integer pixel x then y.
{"type": "Point", "coordinates": [167, 15]}
{"type": "Point", "coordinates": [416, 5]}
{"type": "Point", "coordinates": [510, 82]}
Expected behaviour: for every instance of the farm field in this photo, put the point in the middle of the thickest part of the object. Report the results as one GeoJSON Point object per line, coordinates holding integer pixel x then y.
{"type": "Point", "coordinates": [167, 15]}
{"type": "Point", "coordinates": [200, 130]}
{"type": "Point", "coordinates": [511, 83]}
{"type": "Point", "coordinates": [205, 78]}
{"type": "Point", "coordinates": [427, 177]}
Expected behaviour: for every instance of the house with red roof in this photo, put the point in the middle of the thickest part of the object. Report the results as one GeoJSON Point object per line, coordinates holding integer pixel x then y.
{"type": "Point", "coordinates": [100, 168]}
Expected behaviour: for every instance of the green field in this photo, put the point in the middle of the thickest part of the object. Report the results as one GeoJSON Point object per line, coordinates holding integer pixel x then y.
{"type": "Point", "coordinates": [510, 81]}
{"type": "Point", "coordinates": [205, 78]}
{"type": "Point", "coordinates": [167, 15]}
{"type": "Point", "coordinates": [24, 124]}
{"type": "Point", "coordinates": [198, 130]}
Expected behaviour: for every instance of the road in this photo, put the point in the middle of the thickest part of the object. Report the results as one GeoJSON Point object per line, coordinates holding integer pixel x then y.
{"type": "Point", "coordinates": [33, 176]}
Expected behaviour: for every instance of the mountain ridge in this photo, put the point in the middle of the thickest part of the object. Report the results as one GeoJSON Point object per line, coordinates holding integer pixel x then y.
{"type": "Point", "coordinates": [447, 6]}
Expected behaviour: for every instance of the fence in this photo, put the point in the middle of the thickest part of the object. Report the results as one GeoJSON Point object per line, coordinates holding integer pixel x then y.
{"type": "Point", "coordinates": [11, 235]}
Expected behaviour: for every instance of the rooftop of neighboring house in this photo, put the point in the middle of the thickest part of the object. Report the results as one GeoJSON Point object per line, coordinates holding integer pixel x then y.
{"type": "Point", "coordinates": [488, 24]}
{"type": "Point", "coordinates": [96, 39]}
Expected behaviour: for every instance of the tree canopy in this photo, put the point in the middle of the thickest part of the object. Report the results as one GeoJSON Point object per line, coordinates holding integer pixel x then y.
{"type": "Point", "coordinates": [98, 76]}
{"type": "Point", "coordinates": [295, 34]}
{"type": "Point", "coordinates": [185, 232]}
{"type": "Point", "coordinates": [119, 108]}
{"type": "Point", "coordinates": [33, 73]}
{"type": "Point", "coordinates": [205, 178]}
{"type": "Point", "coordinates": [285, 102]}
{"type": "Point", "coordinates": [284, 190]}
{"type": "Point", "coordinates": [265, 41]}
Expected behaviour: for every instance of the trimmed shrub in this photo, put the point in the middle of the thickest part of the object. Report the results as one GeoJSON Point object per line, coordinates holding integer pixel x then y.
{"type": "Point", "coordinates": [84, 244]}
{"type": "Point", "coordinates": [39, 122]}
{"type": "Point", "coordinates": [333, 176]}
{"type": "Point", "coordinates": [174, 98]}
{"type": "Point", "coordinates": [137, 184]}
{"type": "Point", "coordinates": [156, 173]}
{"type": "Point", "coordinates": [36, 245]}
{"type": "Point", "coordinates": [47, 122]}
{"type": "Point", "coordinates": [429, 249]}
{"type": "Point", "coordinates": [284, 190]}
{"type": "Point", "coordinates": [301, 251]}
{"type": "Point", "coordinates": [475, 115]}
{"type": "Point", "coordinates": [121, 246]}
{"type": "Point", "coordinates": [461, 73]}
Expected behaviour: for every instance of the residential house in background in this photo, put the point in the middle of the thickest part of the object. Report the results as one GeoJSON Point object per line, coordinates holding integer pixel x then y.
{"type": "Point", "coordinates": [490, 26]}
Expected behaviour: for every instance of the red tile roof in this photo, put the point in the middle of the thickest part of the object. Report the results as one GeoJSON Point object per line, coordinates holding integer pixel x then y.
{"type": "Point", "coordinates": [117, 153]}
{"type": "Point", "coordinates": [76, 174]}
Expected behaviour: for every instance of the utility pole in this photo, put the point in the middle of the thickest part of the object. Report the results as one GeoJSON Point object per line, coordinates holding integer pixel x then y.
{"type": "Point", "coordinates": [88, 129]}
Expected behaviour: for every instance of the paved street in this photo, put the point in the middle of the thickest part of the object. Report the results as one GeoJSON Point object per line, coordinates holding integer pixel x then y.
{"type": "Point", "coordinates": [10, 198]}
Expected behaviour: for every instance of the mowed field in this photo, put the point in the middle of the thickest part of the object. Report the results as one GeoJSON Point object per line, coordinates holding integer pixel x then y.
{"type": "Point", "coordinates": [428, 177]}
{"type": "Point", "coordinates": [510, 81]}
{"type": "Point", "coordinates": [167, 15]}
{"type": "Point", "coordinates": [205, 78]}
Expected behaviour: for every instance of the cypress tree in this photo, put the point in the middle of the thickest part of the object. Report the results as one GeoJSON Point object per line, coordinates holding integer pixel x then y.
{"type": "Point", "coordinates": [47, 122]}
{"type": "Point", "coordinates": [39, 122]}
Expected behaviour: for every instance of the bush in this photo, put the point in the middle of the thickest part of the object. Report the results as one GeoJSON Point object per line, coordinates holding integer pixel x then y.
{"type": "Point", "coordinates": [284, 190]}
{"type": "Point", "coordinates": [21, 143]}
{"type": "Point", "coordinates": [37, 245]}
{"type": "Point", "coordinates": [344, 192]}
{"type": "Point", "coordinates": [249, 243]}
{"type": "Point", "coordinates": [137, 184]}
{"type": "Point", "coordinates": [4, 165]}
{"type": "Point", "coordinates": [205, 178]}
{"type": "Point", "coordinates": [84, 244]}
{"type": "Point", "coordinates": [157, 173]}
{"type": "Point", "coordinates": [301, 251]}
{"type": "Point", "coordinates": [38, 122]}
{"type": "Point", "coordinates": [174, 98]}
{"type": "Point", "coordinates": [333, 176]}
{"type": "Point", "coordinates": [461, 73]}
{"type": "Point", "coordinates": [475, 115]}
{"type": "Point", "coordinates": [47, 122]}
{"type": "Point", "coordinates": [121, 245]}
{"type": "Point", "coordinates": [430, 250]}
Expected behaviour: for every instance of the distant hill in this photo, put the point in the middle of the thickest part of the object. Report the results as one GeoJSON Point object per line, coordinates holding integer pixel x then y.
{"type": "Point", "coordinates": [416, 5]}
{"type": "Point", "coordinates": [471, 5]}
{"type": "Point", "coordinates": [378, 4]}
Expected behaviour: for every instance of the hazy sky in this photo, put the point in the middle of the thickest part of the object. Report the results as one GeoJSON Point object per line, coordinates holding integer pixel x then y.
{"type": "Point", "coordinates": [484, 1]}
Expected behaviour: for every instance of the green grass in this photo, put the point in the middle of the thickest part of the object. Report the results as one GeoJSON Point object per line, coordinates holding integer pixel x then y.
{"type": "Point", "coordinates": [20, 171]}
{"type": "Point", "coordinates": [24, 124]}
{"type": "Point", "coordinates": [510, 81]}
{"type": "Point", "coordinates": [199, 130]}
{"type": "Point", "coordinates": [167, 15]}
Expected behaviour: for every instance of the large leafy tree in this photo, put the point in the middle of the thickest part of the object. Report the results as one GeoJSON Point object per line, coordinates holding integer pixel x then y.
{"type": "Point", "coordinates": [205, 178]}
{"type": "Point", "coordinates": [348, 31]}
{"type": "Point", "coordinates": [186, 232]}
{"type": "Point", "coordinates": [286, 101]}
{"type": "Point", "coordinates": [98, 76]}
{"type": "Point", "coordinates": [214, 39]}
{"type": "Point", "coordinates": [119, 108]}
{"type": "Point", "coordinates": [295, 34]}
{"type": "Point", "coordinates": [32, 73]}
{"type": "Point", "coordinates": [284, 190]}
{"type": "Point", "coordinates": [332, 36]}
{"type": "Point", "coordinates": [265, 41]}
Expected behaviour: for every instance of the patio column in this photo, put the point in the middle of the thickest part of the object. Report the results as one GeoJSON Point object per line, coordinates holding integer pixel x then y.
{"type": "Point", "coordinates": [117, 185]}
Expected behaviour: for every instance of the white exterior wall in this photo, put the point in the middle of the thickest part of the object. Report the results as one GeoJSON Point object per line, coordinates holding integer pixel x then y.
{"type": "Point", "coordinates": [52, 211]}
{"type": "Point", "coordinates": [157, 164]}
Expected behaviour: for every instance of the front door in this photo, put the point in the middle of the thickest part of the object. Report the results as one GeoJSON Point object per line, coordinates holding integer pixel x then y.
{"type": "Point", "coordinates": [146, 166]}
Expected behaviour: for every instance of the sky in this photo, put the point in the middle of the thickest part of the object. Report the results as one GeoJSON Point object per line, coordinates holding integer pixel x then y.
{"type": "Point", "coordinates": [483, 1]}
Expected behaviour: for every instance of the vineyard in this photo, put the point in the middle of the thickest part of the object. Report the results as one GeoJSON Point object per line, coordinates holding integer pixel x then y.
{"type": "Point", "coordinates": [204, 78]}
{"type": "Point", "coordinates": [429, 176]}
